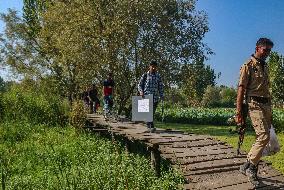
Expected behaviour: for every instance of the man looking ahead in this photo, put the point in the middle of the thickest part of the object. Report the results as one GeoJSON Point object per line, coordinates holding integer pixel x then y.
{"type": "Point", "coordinates": [254, 86]}
{"type": "Point", "coordinates": [151, 83]}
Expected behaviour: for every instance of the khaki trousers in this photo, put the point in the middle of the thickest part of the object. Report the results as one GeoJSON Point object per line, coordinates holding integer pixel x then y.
{"type": "Point", "coordinates": [261, 117]}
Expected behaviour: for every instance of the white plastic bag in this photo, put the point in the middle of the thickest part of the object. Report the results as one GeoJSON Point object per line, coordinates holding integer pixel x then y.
{"type": "Point", "coordinates": [272, 146]}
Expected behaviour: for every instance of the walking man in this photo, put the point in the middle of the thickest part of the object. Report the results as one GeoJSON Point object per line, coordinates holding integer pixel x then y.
{"type": "Point", "coordinates": [254, 88]}
{"type": "Point", "coordinates": [151, 83]}
{"type": "Point", "coordinates": [108, 91]}
{"type": "Point", "coordinates": [94, 100]}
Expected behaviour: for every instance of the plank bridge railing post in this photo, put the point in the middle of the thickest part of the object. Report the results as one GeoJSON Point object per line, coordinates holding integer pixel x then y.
{"type": "Point", "coordinates": [156, 159]}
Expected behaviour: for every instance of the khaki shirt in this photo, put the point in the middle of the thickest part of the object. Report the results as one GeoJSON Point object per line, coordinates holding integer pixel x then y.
{"type": "Point", "coordinates": [254, 78]}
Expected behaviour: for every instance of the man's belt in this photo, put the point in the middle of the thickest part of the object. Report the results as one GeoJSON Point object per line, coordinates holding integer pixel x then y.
{"type": "Point", "coordinates": [259, 99]}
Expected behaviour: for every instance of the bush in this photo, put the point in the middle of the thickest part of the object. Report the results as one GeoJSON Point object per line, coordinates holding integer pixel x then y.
{"type": "Point", "coordinates": [278, 119]}
{"type": "Point", "coordinates": [202, 116]}
{"type": "Point", "coordinates": [211, 97]}
{"type": "Point", "coordinates": [19, 104]}
{"type": "Point", "coordinates": [78, 115]}
{"type": "Point", "coordinates": [222, 96]}
{"type": "Point", "coordinates": [213, 116]}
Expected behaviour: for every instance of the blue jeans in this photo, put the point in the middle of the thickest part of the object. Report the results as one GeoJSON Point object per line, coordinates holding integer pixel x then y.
{"type": "Point", "coordinates": [108, 103]}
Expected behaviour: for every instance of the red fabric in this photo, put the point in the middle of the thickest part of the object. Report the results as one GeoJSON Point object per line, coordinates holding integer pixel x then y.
{"type": "Point", "coordinates": [107, 90]}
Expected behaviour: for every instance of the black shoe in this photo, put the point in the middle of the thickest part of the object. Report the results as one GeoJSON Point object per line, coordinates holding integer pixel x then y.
{"type": "Point", "coordinates": [251, 172]}
{"type": "Point", "coordinates": [152, 130]}
{"type": "Point", "coordinates": [244, 167]}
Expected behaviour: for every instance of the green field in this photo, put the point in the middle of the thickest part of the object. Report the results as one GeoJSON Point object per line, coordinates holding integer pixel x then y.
{"type": "Point", "coordinates": [223, 133]}
{"type": "Point", "coordinates": [209, 116]}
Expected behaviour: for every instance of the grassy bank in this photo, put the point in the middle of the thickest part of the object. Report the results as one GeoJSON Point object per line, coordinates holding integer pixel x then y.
{"type": "Point", "coordinates": [222, 133]}
{"type": "Point", "coordinates": [40, 157]}
{"type": "Point", "coordinates": [210, 116]}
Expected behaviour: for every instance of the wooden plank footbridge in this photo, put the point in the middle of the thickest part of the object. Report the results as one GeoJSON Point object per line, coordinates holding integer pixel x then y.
{"type": "Point", "coordinates": [205, 162]}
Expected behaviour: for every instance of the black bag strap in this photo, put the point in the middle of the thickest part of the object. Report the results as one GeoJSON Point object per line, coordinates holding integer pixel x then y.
{"type": "Point", "coordinates": [144, 81]}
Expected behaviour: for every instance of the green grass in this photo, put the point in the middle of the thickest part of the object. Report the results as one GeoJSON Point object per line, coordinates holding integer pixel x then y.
{"type": "Point", "coordinates": [222, 133]}
{"type": "Point", "coordinates": [40, 157]}
{"type": "Point", "coordinates": [209, 116]}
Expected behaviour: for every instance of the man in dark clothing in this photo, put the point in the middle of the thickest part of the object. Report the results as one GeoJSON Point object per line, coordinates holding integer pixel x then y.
{"type": "Point", "coordinates": [94, 101]}
{"type": "Point", "coordinates": [108, 91]}
{"type": "Point", "coordinates": [85, 98]}
{"type": "Point", "coordinates": [151, 83]}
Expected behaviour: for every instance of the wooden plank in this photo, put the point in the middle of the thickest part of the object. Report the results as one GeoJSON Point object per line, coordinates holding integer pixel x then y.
{"type": "Point", "coordinates": [215, 176]}
{"type": "Point", "coordinates": [213, 164]}
{"type": "Point", "coordinates": [199, 159]}
{"type": "Point", "coordinates": [189, 174]}
{"type": "Point", "coordinates": [184, 139]}
{"type": "Point", "coordinates": [204, 153]}
{"type": "Point", "coordinates": [148, 136]}
{"type": "Point", "coordinates": [199, 143]}
{"type": "Point", "coordinates": [170, 150]}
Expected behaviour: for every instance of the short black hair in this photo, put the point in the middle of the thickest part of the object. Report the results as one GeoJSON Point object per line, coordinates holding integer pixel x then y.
{"type": "Point", "coordinates": [153, 63]}
{"type": "Point", "coordinates": [264, 42]}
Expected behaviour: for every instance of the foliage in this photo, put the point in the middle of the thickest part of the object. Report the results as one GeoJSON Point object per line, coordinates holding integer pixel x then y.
{"type": "Point", "coordinates": [278, 119]}
{"type": "Point", "coordinates": [194, 80]}
{"type": "Point", "coordinates": [29, 104]}
{"type": "Point", "coordinates": [213, 116]}
{"type": "Point", "coordinates": [222, 96]}
{"type": "Point", "coordinates": [175, 97]}
{"type": "Point", "coordinates": [276, 72]}
{"type": "Point", "coordinates": [77, 42]}
{"type": "Point", "coordinates": [78, 115]}
{"type": "Point", "coordinates": [40, 157]}
{"type": "Point", "coordinates": [2, 85]}
{"type": "Point", "coordinates": [202, 116]}
{"type": "Point", "coordinates": [222, 133]}
{"type": "Point", "coordinates": [211, 97]}
{"type": "Point", "coordinates": [228, 96]}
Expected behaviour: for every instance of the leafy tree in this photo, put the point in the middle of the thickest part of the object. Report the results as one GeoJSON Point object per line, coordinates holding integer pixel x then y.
{"type": "Point", "coordinates": [276, 72]}
{"type": "Point", "coordinates": [215, 96]}
{"type": "Point", "coordinates": [228, 96]}
{"type": "Point", "coordinates": [195, 78]}
{"type": "Point", "coordinates": [211, 97]}
{"type": "Point", "coordinates": [2, 84]}
{"type": "Point", "coordinates": [75, 43]}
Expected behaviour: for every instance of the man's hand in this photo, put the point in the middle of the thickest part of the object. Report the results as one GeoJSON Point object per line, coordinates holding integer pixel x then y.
{"type": "Point", "coordinates": [239, 119]}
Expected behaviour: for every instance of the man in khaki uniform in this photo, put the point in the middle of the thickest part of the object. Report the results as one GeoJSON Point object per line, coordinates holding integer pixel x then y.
{"type": "Point", "coordinates": [254, 86]}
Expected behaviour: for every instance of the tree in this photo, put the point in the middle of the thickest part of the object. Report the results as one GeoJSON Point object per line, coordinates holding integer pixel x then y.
{"type": "Point", "coordinates": [276, 73]}
{"type": "Point", "coordinates": [219, 96]}
{"type": "Point", "coordinates": [2, 84]}
{"type": "Point", "coordinates": [228, 96]}
{"type": "Point", "coordinates": [75, 43]}
{"type": "Point", "coordinates": [195, 78]}
{"type": "Point", "coordinates": [211, 97]}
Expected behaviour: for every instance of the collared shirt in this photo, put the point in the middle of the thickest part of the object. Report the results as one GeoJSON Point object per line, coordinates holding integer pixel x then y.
{"type": "Point", "coordinates": [254, 77]}
{"type": "Point", "coordinates": [152, 85]}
